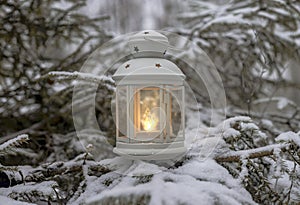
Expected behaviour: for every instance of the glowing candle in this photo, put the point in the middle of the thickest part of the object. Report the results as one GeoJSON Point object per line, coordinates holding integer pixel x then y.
{"type": "Point", "coordinates": [149, 120]}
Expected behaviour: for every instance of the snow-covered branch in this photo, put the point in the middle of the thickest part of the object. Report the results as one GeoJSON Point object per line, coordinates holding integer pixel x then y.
{"type": "Point", "coordinates": [237, 156]}
{"type": "Point", "coordinates": [108, 82]}
{"type": "Point", "coordinates": [17, 141]}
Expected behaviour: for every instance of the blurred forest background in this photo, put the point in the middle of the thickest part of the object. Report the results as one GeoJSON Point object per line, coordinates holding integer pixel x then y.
{"type": "Point", "coordinates": [253, 43]}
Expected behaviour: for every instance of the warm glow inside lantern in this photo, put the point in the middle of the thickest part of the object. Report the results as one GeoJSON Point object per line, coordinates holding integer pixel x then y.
{"type": "Point", "coordinates": [149, 101]}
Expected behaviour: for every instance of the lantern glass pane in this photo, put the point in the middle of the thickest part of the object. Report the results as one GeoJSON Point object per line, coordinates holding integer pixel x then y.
{"type": "Point", "coordinates": [153, 114]}
{"type": "Point", "coordinates": [157, 113]}
{"type": "Point", "coordinates": [176, 112]}
{"type": "Point", "coordinates": [122, 111]}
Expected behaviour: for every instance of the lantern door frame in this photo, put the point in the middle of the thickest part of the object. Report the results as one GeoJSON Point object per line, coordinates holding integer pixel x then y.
{"type": "Point", "coordinates": [165, 132]}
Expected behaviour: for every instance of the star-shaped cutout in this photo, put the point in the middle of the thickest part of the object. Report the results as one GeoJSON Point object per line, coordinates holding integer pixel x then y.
{"type": "Point", "coordinates": [136, 49]}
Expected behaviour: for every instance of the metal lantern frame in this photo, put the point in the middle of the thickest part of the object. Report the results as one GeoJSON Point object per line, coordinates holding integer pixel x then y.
{"type": "Point", "coordinates": [150, 116]}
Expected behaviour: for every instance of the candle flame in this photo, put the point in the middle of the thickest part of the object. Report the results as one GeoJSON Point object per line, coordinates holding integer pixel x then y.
{"type": "Point", "coordinates": [149, 121]}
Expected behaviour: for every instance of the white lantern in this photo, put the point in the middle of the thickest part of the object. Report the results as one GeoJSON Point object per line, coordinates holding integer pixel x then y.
{"type": "Point", "coordinates": [150, 116]}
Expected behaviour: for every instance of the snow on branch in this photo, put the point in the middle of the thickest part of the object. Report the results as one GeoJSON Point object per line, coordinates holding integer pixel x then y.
{"type": "Point", "coordinates": [237, 156]}
{"type": "Point", "coordinates": [86, 77]}
{"type": "Point", "coordinates": [242, 129]}
{"type": "Point", "coordinates": [17, 141]}
{"type": "Point", "coordinates": [289, 137]}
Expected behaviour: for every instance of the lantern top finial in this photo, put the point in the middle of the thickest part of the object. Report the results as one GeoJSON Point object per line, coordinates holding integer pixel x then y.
{"type": "Point", "coordinates": [148, 43]}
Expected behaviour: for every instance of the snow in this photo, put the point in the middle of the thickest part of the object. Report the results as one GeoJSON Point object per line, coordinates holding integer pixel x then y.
{"type": "Point", "coordinates": [246, 153]}
{"type": "Point", "coordinates": [8, 201]}
{"type": "Point", "coordinates": [277, 171]}
{"type": "Point", "coordinates": [268, 15]}
{"type": "Point", "coordinates": [244, 169]}
{"type": "Point", "coordinates": [230, 132]}
{"type": "Point", "coordinates": [282, 182]}
{"type": "Point", "coordinates": [57, 87]}
{"type": "Point", "coordinates": [248, 126]}
{"type": "Point", "coordinates": [195, 181]}
{"type": "Point", "coordinates": [29, 108]}
{"type": "Point", "coordinates": [209, 142]}
{"type": "Point", "coordinates": [14, 141]}
{"type": "Point", "coordinates": [282, 103]}
{"type": "Point", "coordinates": [93, 185]}
{"type": "Point", "coordinates": [84, 76]}
{"type": "Point", "coordinates": [280, 11]}
{"type": "Point", "coordinates": [225, 127]}
{"type": "Point", "coordinates": [144, 168]}
{"type": "Point", "coordinates": [289, 137]}
{"type": "Point", "coordinates": [267, 123]}
{"type": "Point", "coordinates": [208, 170]}
{"type": "Point", "coordinates": [246, 10]}
{"type": "Point", "coordinates": [44, 189]}
{"type": "Point", "coordinates": [200, 179]}
{"type": "Point", "coordinates": [87, 77]}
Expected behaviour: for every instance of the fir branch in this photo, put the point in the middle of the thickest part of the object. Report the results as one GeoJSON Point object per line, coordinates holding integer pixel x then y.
{"type": "Point", "coordinates": [251, 153]}
{"type": "Point", "coordinates": [85, 77]}
{"type": "Point", "coordinates": [17, 141]}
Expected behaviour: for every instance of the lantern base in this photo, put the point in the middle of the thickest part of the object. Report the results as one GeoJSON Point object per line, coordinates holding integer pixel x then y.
{"type": "Point", "coordinates": [151, 154]}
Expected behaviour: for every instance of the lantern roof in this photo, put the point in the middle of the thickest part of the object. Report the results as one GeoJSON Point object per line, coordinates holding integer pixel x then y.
{"type": "Point", "coordinates": [148, 43]}
{"type": "Point", "coordinates": [149, 71]}
{"type": "Point", "coordinates": [148, 65]}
